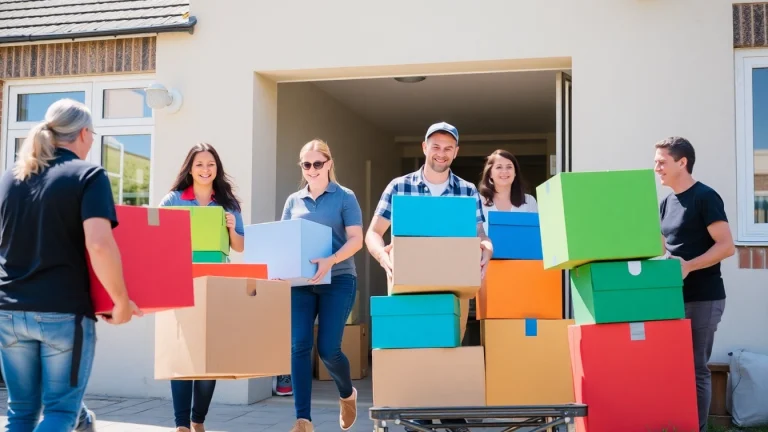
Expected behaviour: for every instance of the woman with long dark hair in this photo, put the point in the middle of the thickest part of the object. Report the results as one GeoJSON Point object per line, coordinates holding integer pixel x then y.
{"type": "Point", "coordinates": [502, 186]}
{"type": "Point", "coordinates": [202, 181]}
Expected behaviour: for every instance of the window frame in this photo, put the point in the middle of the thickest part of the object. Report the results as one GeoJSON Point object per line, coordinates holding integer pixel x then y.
{"type": "Point", "coordinates": [94, 87]}
{"type": "Point", "coordinates": [98, 141]}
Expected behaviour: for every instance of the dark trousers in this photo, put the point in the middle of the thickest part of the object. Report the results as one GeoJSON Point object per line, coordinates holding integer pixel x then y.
{"type": "Point", "coordinates": [191, 400]}
{"type": "Point", "coordinates": [704, 316]}
{"type": "Point", "coordinates": [331, 304]}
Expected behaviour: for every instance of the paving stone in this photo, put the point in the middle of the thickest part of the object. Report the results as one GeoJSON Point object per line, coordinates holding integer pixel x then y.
{"type": "Point", "coordinates": [277, 414]}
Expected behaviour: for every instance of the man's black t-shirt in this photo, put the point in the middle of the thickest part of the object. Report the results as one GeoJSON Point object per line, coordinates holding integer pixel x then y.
{"type": "Point", "coordinates": [684, 221]}
{"type": "Point", "coordinates": [43, 265]}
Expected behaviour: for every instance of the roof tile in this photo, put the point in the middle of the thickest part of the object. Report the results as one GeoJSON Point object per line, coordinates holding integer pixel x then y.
{"type": "Point", "coordinates": [55, 18]}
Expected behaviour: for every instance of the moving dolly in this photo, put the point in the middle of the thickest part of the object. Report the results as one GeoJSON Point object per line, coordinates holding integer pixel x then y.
{"type": "Point", "coordinates": [512, 418]}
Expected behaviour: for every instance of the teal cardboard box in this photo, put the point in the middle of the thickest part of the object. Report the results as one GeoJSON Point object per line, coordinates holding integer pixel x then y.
{"type": "Point", "coordinates": [209, 257]}
{"type": "Point", "coordinates": [599, 216]}
{"type": "Point", "coordinates": [415, 321]}
{"type": "Point", "coordinates": [434, 216]}
{"type": "Point", "coordinates": [629, 291]}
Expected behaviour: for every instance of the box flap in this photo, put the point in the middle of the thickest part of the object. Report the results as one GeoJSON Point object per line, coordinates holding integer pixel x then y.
{"type": "Point", "coordinates": [513, 218]}
{"type": "Point", "coordinates": [414, 304]}
{"type": "Point", "coordinates": [640, 274]}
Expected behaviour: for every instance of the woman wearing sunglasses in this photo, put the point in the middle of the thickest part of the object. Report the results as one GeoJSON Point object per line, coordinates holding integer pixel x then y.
{"type": "Point", "coordinates": [321, 199]}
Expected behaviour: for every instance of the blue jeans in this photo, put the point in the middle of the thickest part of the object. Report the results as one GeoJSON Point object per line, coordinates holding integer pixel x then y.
{"type": "Point", "coordinates": [331, 304]}
{"type": "Point", "coordinates": [191, 400]}
{"type": "Point", "coordinates": [37, 351]}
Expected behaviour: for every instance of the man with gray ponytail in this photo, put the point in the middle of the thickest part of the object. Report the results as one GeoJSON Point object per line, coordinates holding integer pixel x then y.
{"type": "Point", "coordinates": [56, 211]}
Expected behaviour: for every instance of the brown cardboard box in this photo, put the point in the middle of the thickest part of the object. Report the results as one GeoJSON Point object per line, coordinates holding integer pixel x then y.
{"type": "Point", "coordinates": [238, 328]}
{"type": "Point", "coordinates": [527, 365]}
{"type": "Point", "coordinates": [436, 264]}
{"type": "Point", "coordinates": [428, 377]}
{"type": "Point", "coordinates": [354, 345]}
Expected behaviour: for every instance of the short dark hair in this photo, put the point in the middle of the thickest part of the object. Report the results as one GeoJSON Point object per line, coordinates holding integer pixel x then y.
{"type": "Point", "coordinates": [679, 147]}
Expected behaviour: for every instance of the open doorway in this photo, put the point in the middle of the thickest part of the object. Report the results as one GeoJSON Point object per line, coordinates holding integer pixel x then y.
{"type": "Point", "coordinates": [375, 127]}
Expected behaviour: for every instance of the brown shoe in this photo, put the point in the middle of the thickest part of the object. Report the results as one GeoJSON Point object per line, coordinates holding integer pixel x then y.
{"type": "Point", "coordinates": [303, 425]}
{"type": "Point", "coordinates": [348, 413]}
{"type": "Point", "coordinates": [197, 427]}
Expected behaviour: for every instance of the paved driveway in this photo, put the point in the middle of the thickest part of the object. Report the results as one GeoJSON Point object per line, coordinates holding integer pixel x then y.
{"type": "Point", "coordinates": [274, 414]}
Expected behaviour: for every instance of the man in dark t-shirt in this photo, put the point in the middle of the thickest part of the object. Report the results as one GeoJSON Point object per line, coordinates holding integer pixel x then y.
{"type": "Point", "coordinates": [695, 231]}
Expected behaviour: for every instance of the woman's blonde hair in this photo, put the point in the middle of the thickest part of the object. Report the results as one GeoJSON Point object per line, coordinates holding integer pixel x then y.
{"type": "Point", "coordinates": [320, 146]}
{"type": "Point", "coordinates": [63, 122]}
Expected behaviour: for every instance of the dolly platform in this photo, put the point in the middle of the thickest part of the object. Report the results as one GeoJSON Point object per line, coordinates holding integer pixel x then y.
{"type": "Point", "coordinates": [512, 418]}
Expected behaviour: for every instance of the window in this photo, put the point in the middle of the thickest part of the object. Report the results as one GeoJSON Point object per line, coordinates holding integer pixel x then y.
{"type": "Point", "coordinates": [121, 118]}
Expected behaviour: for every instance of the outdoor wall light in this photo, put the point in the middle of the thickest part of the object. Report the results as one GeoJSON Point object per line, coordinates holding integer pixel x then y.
{"type": "Point", "coordinates": [158, 97]}
{"type": "Point", "coordinates": [410, 79]}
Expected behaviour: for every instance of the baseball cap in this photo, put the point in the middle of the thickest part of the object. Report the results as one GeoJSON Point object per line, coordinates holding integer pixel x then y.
{"type": "Point", "coordinates": [445, 127]}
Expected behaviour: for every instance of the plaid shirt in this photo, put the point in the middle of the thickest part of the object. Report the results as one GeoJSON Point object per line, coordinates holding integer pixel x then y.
{"type": "Point", "coordinates": [413, 184]}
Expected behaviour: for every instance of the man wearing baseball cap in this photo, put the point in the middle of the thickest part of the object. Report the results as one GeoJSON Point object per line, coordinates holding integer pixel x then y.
{"type": "Point", "coordinates": [440, 146]}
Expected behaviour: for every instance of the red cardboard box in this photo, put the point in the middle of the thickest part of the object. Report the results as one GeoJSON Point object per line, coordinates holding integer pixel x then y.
{"type": "Point", "coordinates": [634, 376]}
{"type": "Point", "coordinates": [156, 250]}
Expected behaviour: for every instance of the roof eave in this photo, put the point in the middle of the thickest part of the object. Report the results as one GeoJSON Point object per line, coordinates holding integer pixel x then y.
{"type": "Point", "coordinates": [188, 27]}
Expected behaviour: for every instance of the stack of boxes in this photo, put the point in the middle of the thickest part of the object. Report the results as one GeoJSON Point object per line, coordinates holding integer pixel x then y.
{"type": "Point", "coordinates": [416, 330]}
{"type": "Point", "coordinates": [630, 347]}
{"type": "Point", "coordinates": [200, 309]}
{"type": "Point", "coordinates": [204, 341]}
{"type": "Point", "coordinates": [520, 308]}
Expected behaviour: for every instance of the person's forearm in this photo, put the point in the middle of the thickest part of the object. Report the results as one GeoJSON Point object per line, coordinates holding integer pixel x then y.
{"type": "Point", "coordinates": [106, 263]}
{"type": "Point", "coordinates": [349, 248]}
{"type": "Point", "coordinates": [718, 252]}
{"type": "Point", "coordinates": [236, 241]}
{"type": "Point", "coordinates": [375, 244]}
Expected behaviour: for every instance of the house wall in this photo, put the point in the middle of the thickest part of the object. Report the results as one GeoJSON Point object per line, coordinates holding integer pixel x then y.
{"type": "Point", "coordinates": [125, 351]}
{"type": "Point", "coordinates": [641, 71]}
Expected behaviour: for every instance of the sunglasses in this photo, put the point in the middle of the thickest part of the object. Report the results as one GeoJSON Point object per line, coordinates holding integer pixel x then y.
{"type": "Point", "coordinates": [317, 164]}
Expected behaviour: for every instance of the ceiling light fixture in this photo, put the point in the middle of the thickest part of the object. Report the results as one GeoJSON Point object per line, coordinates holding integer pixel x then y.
{"type": "Point", "coordinates": [410, 79]}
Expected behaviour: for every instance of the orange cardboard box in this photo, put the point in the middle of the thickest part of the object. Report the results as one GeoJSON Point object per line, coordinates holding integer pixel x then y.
{"type": "Point", "coordinates": [429, 377]}
{"type": "Point", "coordinates": [354, 345]}
{"type": "Point", "coordinates": [527, 362]}
{"type": "Point", "coordinates": [520, 289]}
{"type": "Point", "coordinates": [238, 328]}
{"type": "Point", "coordinates": [435, 264]}
{"type": "Point", "coordinates": [251, 271]}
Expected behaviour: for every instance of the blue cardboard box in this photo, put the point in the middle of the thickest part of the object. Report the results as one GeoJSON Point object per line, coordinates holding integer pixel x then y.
{"type": "Point", "coordinates": [515, 235]}
{"type": "Point", "coordinates": [431, 216]}
{"type": "Point", "coordinates": [287, 247]}
{"type": "Point", "coordinates": [415, 321]}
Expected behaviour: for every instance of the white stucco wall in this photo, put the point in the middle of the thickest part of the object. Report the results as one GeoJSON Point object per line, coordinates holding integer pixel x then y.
{"type": "Point", "coordinates": [642, 70]}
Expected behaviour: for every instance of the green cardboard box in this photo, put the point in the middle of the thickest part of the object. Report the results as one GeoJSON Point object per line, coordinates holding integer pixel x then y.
{"type": "Point", "coordinates": [209, 228]}
{"type": "Point", "coordinates": [209, 257]}
{"type": "Point", "coordinates": [627, 291]}
{"type": "Point", "coordinates": [598, 216]}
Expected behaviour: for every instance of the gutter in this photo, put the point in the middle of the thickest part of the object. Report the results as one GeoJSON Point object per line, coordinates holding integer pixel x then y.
{"type": "Point", "coordinates": [188, 27]}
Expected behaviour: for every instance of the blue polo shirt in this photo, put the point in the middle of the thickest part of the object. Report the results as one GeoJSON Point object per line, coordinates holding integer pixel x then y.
{"type": "Point", "coordinates": [187, 198]}
{"type": "Point", "coordinates": [337, 208]}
